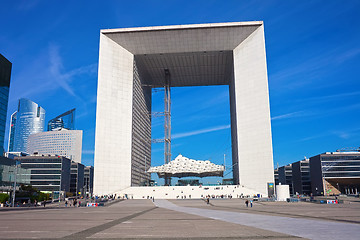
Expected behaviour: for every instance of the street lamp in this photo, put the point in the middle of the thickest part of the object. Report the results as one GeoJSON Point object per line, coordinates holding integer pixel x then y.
{"type": "Point", "coordinates": [14, 190]}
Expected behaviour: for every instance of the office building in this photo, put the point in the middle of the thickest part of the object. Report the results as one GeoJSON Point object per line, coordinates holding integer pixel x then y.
{"type": "Point", "coordinates": [133, 60]}
{"type": "Point", "coordinates": [286, 177]}
{"type": "Point", "coordinates": [48, 173]}
{"type": "Point", "coordinates": [62, 142]}
{"type": "Point", "coordinates": [8, 169]}
{"type": "Point", "coordinates": [12, 132]}
{"type": "Point", "coordinates": [30, 119]}
{"type": "Point", "coordinates": [88, 180]}
{"type": "Point", "coordinates": [335, 173]}
{"type": "Point", "coordinates": [301, 177]}
{"type": "Point", "coordinates": [65, 120]}
{"type": "Point", "coordinates": [276, 176]}
{"type": "Point", "coordinates": [77, 179]}
{"type": "Point", "coordinates": [5, 75]}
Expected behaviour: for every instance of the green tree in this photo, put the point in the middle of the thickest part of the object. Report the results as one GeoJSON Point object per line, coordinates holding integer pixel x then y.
{"type": "Point", "coordinates": [43, 196]}
{"type": "Point", "coordinates": [4, 197]}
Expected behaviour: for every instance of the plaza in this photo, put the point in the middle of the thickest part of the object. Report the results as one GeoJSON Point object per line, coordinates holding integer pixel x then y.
{"type": "Point", "coordinates": [186, 219]}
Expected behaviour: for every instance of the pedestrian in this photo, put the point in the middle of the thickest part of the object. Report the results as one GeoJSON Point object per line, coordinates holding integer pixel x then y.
{"type": "Point", "coordinates": [251, 202]}
{"type": "Point", "coordinates": [66, 203]}
{"type": "Point", "coordinates": [247, 203]}
{"type": "Point", "coordinates": [208, 199]}
{"type": "Point", "coordinates": [153, 199]}
{"type": "Point", "coordinates": [79, 204]}
{"type": "Point", "coordinates": [44, 203]}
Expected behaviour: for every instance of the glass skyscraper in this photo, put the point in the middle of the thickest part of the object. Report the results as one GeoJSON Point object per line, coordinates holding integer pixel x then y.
{"type": "Point", "coordinates": [30, 119]}
{"type": "Point", "coordinates": [5, 73]}
{"type": "Point", "coordinates": [65, 120]}
{"type": "Point", "coordinates": [12, 132]}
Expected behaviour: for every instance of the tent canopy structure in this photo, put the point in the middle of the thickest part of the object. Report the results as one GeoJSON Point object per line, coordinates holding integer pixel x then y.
{"type": "Point", "coordinates": [184, 167]}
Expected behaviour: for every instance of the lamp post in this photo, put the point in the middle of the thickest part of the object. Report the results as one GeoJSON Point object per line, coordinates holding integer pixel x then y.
{"type": "Point", "coordinates": [14, 190]}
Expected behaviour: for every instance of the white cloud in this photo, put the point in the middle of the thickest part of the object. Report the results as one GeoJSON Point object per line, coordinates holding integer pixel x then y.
{"type": "Point", "coordinates": [48, 74]}
{"type": "Point", "coordinates": [287, 115]}
{"type": "Point", "coordinates": [329, 97]}
{"type": "Point", "coordinates": [88, 151]}
{"type": "Point", "coordinates": [197, 132]}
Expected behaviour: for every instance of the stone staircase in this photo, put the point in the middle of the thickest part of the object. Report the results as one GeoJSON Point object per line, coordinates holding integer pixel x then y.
{"type": "Point", "coordinates": [331, 189]}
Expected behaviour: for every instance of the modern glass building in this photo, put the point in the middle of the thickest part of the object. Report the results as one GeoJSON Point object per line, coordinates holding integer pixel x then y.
{"type": "Point", "coordinates": [30, 119]}
{"type": "Point", "coordinates": [286, 177]}
{"type": "Point", "coordinates": [8, 170]}
{"type": "Point", "coordinates": [48, 173]}
{"type": "Point", "coordinates": [5, 74]}
{"type": "Point", "coordinates": [12, 132]}
{"type": "Point", "coordinates": [67, 143]}
{"type": "Point", "coordinates": [88, 180]}
{"type": "Point", "coordinates": [276, 176]}
{"type": "Point", "coordinates": [65, 120]}
{"type": "Point", "coordinates": [77, 178]}
{"type": "Point", "coordinates": [301, 177]}
{"type": "Point", "coordinates": [335, 173]}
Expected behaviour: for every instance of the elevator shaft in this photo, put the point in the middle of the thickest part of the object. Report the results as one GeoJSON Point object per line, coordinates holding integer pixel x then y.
{"type": "Point", "coordinates": [167, 123]}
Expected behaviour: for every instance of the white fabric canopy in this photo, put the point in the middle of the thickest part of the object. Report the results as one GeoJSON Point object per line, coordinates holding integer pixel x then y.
{"type": "Point", "coordinates": [184, 167]}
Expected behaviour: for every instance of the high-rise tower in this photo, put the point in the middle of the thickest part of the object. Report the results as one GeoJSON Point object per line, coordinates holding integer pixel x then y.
{"type": "Point", "coordinates": [5, 74]}
{"type": "Point", "coordinates": [12, 132]}
{"type": "Point", "coordinates": [65, 120]}
{"type": "Point", "coordinates": [30, 119]}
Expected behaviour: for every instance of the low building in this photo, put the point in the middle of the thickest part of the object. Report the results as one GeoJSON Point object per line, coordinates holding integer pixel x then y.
{"type": "Point", "coordinates": [48, 173]}
{"type": "Point", "coordinates": [8, 169]}
{"type": "Point", "coordinates": [335, 173]}
{"type": "Point", "coordinates": [227, 181]}
{"type": "Point", "coordinates": [88, 180]}
{"type": "Point", "coordinates": [77, 179]}
{"type": "Point", "coordinates": [276, 176]}
{"type": "Point", "coordinates": [188, 182]}
{"type": "Point", "coordinates": [301, 177]}
{"type": "Point", "coordinates": [285, 176]}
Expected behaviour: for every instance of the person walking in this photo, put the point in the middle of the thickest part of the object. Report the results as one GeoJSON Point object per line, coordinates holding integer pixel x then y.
{"type": "Point", "coordinates": [251, 202]}
{"type": "Point", "coordinates": [66, 203]}
{"type": "Point", "coordinates": [247, 203]}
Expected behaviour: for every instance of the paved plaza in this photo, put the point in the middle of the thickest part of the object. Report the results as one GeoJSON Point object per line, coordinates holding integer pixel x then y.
{"type": "Point", "coordinates": [186, 219]}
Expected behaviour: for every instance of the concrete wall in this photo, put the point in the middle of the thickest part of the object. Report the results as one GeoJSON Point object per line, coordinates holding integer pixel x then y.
{"type": "Point", "coordinates": [141, 129]}
{"type": "Point", "coordinates": [253, 127]}
{"type": "Point", "coordinates": [112, 170]}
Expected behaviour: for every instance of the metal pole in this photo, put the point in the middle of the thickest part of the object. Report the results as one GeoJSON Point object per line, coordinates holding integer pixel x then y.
{"type": "Point", "coordinates": [167, 123]}
{"type": "Point", "coordinates": [60, 180]}
{"type": "Point", "coordinates": [13, 195]}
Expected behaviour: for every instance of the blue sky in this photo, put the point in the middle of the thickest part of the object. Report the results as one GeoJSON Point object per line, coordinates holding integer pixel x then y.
{"type": "Point", "coordinates": [313, 56]}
